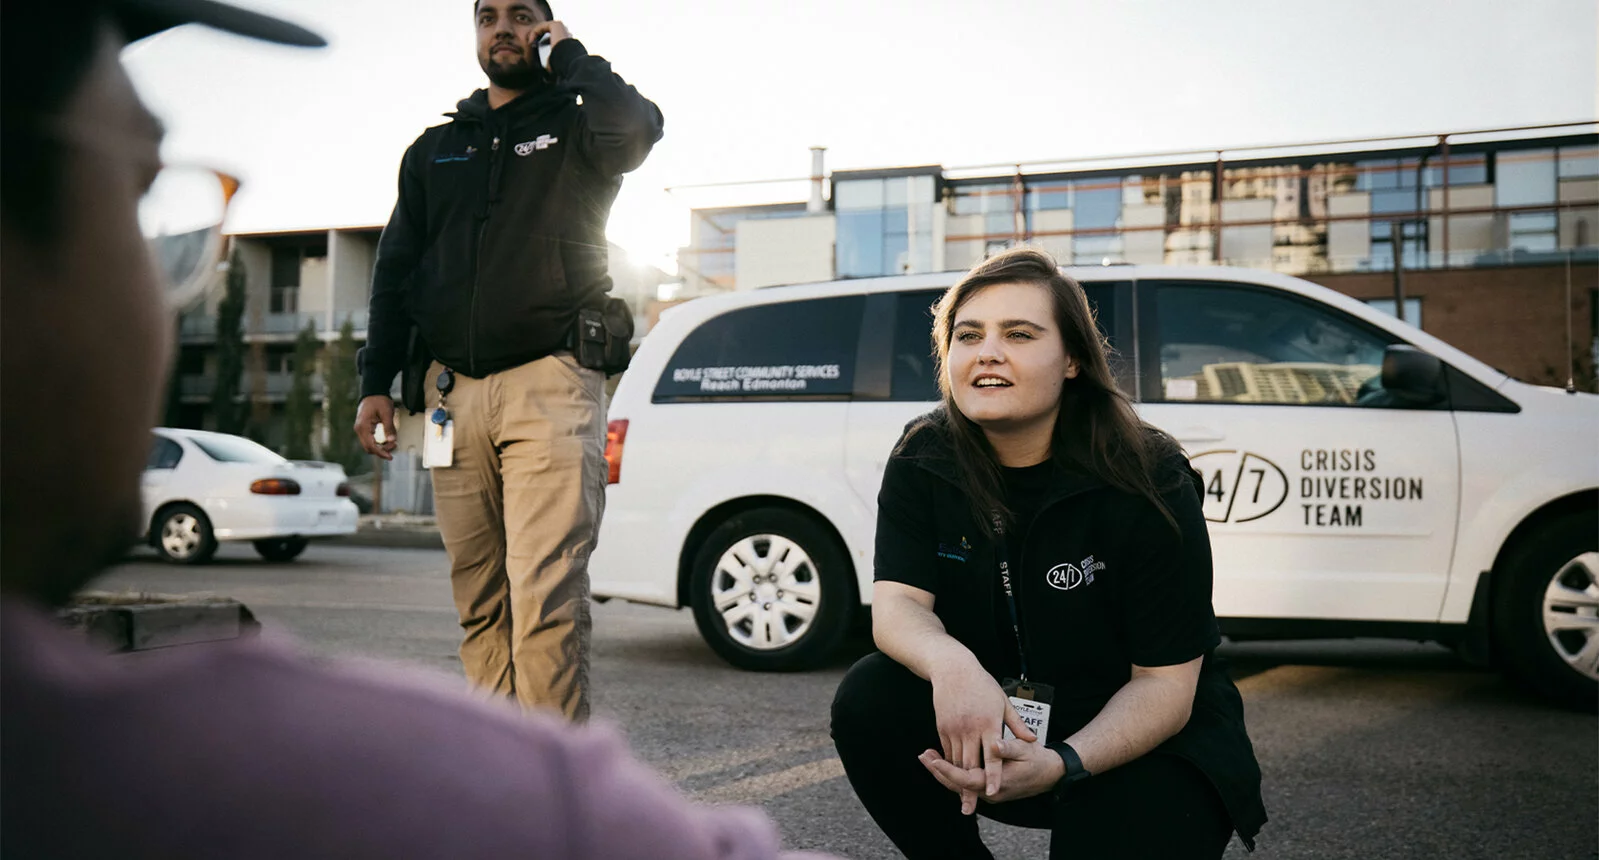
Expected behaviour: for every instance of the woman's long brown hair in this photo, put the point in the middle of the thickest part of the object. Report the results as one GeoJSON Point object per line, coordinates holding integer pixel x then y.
{"type": "Point", "coordinates": [1097, 432]}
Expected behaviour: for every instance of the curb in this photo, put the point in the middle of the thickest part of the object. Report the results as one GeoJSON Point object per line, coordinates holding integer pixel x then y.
{"type": "Point", "coordinates": [392, 537]}
{"type": "Point", "coordinates": [126, 622]}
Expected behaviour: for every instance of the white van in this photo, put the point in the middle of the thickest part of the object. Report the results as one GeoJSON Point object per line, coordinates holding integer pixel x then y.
{"type": "Point", "coordinates": [1362, 477]}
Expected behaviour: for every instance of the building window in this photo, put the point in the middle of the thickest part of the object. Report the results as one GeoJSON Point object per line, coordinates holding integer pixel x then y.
{"type": "Point", "coordinates": [285, 296]}
{"type": "Point", "coordinates": [1524, 178]}
{"type": "Point", "coordinates": [1412, 308]}
{"type": "Point", "coordinates": [885, 225]}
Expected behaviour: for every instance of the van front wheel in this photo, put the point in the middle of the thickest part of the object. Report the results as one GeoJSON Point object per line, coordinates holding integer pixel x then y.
{"type": "Point", "coordinates": [771, 591]}
{"type": "Point", "coordinates": [1547, 614]}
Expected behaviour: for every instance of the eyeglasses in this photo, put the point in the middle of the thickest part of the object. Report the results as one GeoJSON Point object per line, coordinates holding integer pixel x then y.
{"type": "Point", "coordinates": [181, 217]}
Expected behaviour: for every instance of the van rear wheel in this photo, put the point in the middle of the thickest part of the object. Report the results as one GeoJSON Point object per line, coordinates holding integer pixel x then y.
{"type": "Point", "coordinates": [771, 591]}
{"type": "Point", "coordinates": [1546, 616]}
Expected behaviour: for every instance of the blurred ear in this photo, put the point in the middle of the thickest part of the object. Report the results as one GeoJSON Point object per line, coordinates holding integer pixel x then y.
{"type": "Point", "coordinates": [1071, 367]}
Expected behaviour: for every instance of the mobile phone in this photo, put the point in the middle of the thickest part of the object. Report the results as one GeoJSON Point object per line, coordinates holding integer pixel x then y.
{"type": "Point", "coordinates": [544, 51]}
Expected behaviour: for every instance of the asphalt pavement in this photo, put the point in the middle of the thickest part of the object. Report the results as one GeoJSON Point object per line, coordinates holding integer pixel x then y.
{"type": "Point", "coordinates": [1370, 749]}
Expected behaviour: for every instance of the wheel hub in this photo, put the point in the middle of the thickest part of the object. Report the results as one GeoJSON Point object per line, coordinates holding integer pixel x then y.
{"type": "Point", "coordinates": [1571, 613]}
{"type": "Point", "coordinates": [767, 591]}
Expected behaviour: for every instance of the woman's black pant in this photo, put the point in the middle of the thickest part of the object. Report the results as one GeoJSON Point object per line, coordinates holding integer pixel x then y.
{"type": "Point", "coordinates": [1158, 806]}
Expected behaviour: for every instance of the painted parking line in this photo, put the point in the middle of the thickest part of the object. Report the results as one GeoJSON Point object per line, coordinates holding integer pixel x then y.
{"type": "Point", "coordinates": [758, 789]}
{"type": "Point", "coordinates": [684, 769]}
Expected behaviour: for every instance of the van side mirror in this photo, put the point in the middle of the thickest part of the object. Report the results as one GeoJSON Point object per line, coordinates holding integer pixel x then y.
{"type": "Point", "coordinates": [1411, 376]}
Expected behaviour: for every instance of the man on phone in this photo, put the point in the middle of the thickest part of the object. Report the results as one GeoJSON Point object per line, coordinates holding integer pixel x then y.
{"type": "Point", "coordinates": [495, 250]}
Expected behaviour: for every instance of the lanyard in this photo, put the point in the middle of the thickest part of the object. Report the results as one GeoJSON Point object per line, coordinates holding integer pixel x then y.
{"type": "Point", "coordinates": [1010, 594]}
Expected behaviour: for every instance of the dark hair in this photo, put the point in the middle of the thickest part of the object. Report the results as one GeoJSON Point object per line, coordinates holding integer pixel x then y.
{"type": "Point", "coordinates": [1096, 432]}
{"type": "Point", "coordinates": [548, 13]}
{"type": "Point", "coordinates": [44, 56]}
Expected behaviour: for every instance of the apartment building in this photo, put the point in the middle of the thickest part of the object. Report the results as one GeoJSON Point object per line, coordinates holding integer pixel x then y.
{"type": "Point", "coordinates": [319, 279]}
{"type": "Point", "coordinates": [1492, 236]}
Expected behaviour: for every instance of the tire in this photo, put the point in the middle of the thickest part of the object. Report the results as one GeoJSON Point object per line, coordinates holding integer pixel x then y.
{"type": "Point", "coordinates": [281, 549]}
{"type": "Point", "coordinates": [763, 626]}
{"type": "Point", "coordinates": [182, 535]}
{"type": "Point", "coordinates": [1546, 610]}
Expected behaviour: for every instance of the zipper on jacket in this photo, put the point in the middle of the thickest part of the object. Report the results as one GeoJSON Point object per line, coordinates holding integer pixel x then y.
{"type": "Point", "coordinates": [477, 256]}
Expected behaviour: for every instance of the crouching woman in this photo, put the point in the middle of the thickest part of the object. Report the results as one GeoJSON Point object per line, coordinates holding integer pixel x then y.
{"type": "Point", "coordinates": [1042, 605]}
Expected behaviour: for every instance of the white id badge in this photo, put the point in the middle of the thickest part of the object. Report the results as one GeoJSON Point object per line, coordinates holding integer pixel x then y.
{"type": "Point", "coordinates": [438, 451]}
{"type": "Point", "coordinates": [1034, 714]}
{"type": "Point", "coordinates": [1031, 701]}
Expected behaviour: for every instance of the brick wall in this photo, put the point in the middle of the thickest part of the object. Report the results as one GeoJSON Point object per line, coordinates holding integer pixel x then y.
{"type": "Point", "coordinates": [1511, 318]}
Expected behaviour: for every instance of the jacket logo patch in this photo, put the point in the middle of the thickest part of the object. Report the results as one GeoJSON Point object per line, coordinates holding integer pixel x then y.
{"type": "Point", "coordinates": [1069, 576]}
{"type": "Point", "coordinates": [960, 553]}
{"type": "Point", "coordinates": [456, 156]}
{"type": "Point", "coordinates": [543, 141]}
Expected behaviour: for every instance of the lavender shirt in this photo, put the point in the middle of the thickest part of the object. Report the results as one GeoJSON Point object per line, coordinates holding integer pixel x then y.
{"type": "Point", "coordinates": [247, 750]}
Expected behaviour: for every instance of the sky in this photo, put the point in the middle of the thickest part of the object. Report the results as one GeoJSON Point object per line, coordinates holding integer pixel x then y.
{"type": "Point", "coordinates": [747, 86]}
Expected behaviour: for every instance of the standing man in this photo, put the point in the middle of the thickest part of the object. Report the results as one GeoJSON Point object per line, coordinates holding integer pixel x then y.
{"type": "Point", "coordinates": [495, 245]}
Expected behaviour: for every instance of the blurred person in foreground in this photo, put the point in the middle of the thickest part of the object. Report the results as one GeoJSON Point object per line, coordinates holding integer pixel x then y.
{"type": "Point", "coordinates": [238, 750]}
{"type": "Point", "coordinates": [492, 264]}
{"type": "Point", "coordinates": [1043, 605]}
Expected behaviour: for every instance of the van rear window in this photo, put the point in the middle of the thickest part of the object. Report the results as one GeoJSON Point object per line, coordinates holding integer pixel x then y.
{"type": "Point", "coordinates": [778, 351]}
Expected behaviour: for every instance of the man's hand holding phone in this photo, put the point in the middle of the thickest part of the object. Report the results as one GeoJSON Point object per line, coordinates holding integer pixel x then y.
{"type": "Point", "coordinates": [545, 37]}
{"type": "Point", "coordinates": [375, 414]}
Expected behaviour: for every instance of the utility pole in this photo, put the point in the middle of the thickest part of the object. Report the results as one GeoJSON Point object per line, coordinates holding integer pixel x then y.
{"type": "Point", "coordinates": [1397, 241]}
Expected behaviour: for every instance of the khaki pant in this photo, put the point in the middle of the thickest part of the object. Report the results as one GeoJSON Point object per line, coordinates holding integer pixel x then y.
{"type": "Point", "coordinates": [519, 510]}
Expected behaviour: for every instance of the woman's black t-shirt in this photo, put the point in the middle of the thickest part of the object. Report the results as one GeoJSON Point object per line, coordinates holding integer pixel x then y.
{"type": "Point", "coordinates": [1026, 488]}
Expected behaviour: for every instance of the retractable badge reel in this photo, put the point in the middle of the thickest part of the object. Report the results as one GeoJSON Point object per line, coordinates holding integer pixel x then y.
{"type": "Point", "coordinates": [439, 449]}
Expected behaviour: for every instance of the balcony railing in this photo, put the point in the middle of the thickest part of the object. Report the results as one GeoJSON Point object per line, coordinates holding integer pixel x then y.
{"type": "Point", "coordinates": [203, 326]}
{"type": "Point", "coordinates": [276, 385]}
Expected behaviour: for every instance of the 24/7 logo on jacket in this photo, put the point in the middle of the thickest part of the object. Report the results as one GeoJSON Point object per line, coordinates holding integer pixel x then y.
{"type": "Point", "coordinates": [1068, 576]}
{"type": "Point", "coordinates": [543, 141]}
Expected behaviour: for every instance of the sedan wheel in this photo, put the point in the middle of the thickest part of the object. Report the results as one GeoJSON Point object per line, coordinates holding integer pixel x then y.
{"type": "Point", "coordinates": [281, 549]}
{"type": "Point", "coordinates": [183, 535]}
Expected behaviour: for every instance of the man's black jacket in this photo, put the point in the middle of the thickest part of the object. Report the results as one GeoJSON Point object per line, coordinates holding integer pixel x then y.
{"type": "Point", "coordinates": [498, 236]}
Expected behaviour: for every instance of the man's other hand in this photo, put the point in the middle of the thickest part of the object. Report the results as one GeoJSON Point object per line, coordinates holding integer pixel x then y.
{"type": "Point", "coordinates": [374, 411]}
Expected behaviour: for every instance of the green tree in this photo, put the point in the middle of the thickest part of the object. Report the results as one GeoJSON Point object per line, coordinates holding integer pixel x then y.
{"type": "Point", "coordinates": [343, 396]}
{"type": "Point", "coordinates": [230, 351]}
{"type": "Point", "coordinates": [173, 414]}
{"type": "Point", "coordinates": [300, 410]}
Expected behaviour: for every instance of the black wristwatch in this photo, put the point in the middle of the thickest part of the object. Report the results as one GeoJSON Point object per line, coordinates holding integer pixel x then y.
{"type": "Point", "coordinates": [1075, 771]}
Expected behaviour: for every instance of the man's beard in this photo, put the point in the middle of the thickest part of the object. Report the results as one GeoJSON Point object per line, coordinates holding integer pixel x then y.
{"type": "Point", "coordinates": [517, 75]}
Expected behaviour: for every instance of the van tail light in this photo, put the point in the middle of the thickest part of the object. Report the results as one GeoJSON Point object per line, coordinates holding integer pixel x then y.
{"type": "Point", "coordinates": [343, 491]}
{"type": "Point", "coordinates": [275, 487]}
{"type": "Point", "coordinates": [615, 435]}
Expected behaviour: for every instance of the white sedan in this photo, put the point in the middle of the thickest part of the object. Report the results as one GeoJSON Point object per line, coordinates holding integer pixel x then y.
{"type": "Point", "coordinates": [201, 488]}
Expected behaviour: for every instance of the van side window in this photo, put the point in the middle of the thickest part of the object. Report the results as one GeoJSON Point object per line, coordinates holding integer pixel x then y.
{"type": "Point", "coordinates": [164, 453]}
{"type": "Point", "coordinates": [915, 373]}
{"type": "Point", "coordinates": [780, 351]}
{"type": "Point", "coordinates": [1233, 344]}
{"type": "Point", "coordinates": [914, 376]}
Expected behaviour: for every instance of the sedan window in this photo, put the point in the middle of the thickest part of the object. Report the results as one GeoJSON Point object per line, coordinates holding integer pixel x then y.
{"type": "Point", "coordinates": [232, 449]}
{"type": "Point", "coordinates": [164, 454]}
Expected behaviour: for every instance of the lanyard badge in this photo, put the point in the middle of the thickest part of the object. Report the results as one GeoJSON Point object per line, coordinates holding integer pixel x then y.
{"type": "Point", "coordinates": [438, 449]}
{"type": "Point", "coordinates": [1031, 699]}
{"type": "Point", "coordinates": [1032, 702]}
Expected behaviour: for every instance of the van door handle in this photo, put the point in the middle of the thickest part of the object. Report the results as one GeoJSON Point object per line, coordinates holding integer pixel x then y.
{"type": "Point", "coordinates": [1199, 434]}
